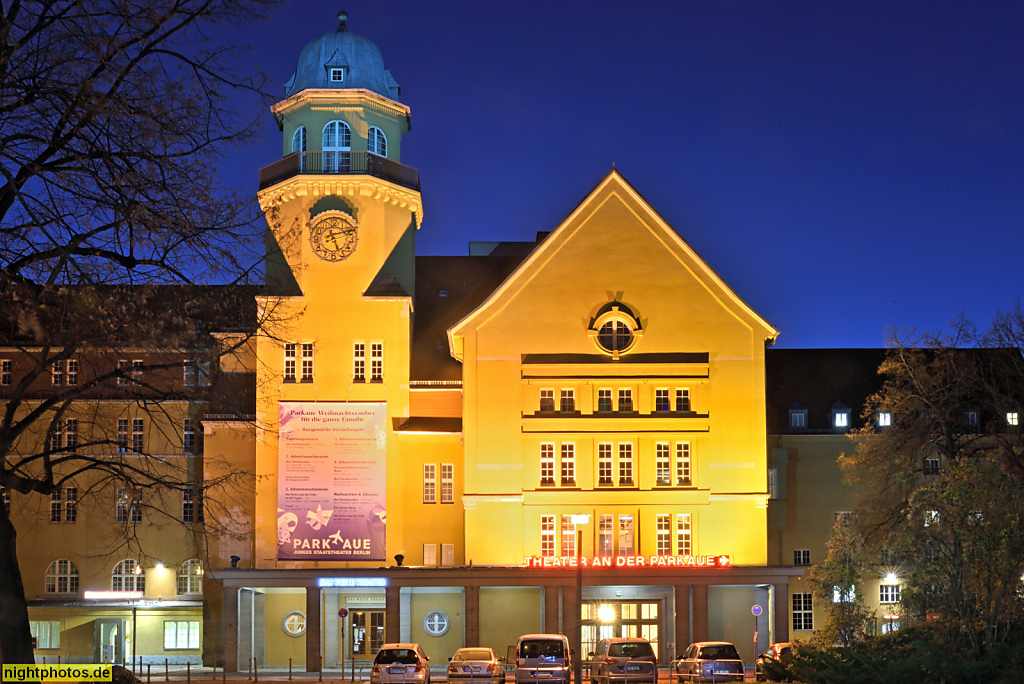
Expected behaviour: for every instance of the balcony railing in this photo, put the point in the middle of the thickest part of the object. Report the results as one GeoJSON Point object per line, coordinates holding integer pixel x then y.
{"type": "Point", "coordinates": [339, 163]}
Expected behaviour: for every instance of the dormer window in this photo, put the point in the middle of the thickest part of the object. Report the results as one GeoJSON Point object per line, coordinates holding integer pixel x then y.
{"type": "Point", "coordinates": [797, 417]}
{"type": "Point", "coordinates": [884, 419]}
{"type": "Point", "coordinates": [336, 74]}
{"type": "Point", "coordinates": [615, 329]}
{"type": "Point", "coordinates": [1012, 418]}
{"type": "Point", "coordinates": [840, 416]}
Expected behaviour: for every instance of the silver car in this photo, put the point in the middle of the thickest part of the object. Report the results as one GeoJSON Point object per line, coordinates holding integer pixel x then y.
{"type": "Point", "coordinates": [624, 660]}
{"type": "Point", "coordinates": [400, 664]}
{"type": "Point", "coordinates": [476, 664]}
{"type": "Point", "coordinates": [710, 661]}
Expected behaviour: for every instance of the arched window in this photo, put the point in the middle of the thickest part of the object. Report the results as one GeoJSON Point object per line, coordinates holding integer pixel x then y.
{"type": "Point", "coordinates": [337, 146]}
{"type": "Point", "coordinates": [299, 140]}
{"type": "Point", "coordinates": [376, 143]}
{"type": "Point", "coordinates": [615, 329]}
{"type": "Point", "coordinates": [128, 576]}
{"type": "Point", "coordinates": [62, 577]}
{"type": "Point", "coordinates": [190, 577]}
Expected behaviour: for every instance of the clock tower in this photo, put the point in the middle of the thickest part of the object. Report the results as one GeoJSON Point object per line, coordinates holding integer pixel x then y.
{"type": "Point", "coordinates": [342, 213]}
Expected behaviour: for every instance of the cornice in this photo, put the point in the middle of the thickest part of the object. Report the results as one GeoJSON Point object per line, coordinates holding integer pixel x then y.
{"type": "Point", "coordinates": [317, 186]}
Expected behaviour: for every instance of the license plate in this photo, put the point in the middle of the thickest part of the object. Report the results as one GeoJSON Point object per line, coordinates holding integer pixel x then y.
{"type": "Point", "coordinates": [632, 668]}
{"type": "Point", "coordinates": [396, 670]}
{"type": "Point", "coordinates": [476, 669]}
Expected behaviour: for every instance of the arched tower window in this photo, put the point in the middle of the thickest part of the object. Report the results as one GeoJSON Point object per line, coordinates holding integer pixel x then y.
{"type": "Point", "coordinates": [337, 147]}
{"type": "Point", "coordinates": [62, 577]}
{"type": "Point", "coordinates": [376, 143]}
{"type": "Point", "coordinates": [190, 577]}
{"type": "Point", "coordinates": [128, 576]}
{"type": "Point", "coordinates": [299, 140]}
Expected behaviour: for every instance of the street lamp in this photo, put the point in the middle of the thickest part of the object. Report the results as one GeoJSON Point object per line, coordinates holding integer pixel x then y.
{"type": "Point", "coordinates": [577, 665]}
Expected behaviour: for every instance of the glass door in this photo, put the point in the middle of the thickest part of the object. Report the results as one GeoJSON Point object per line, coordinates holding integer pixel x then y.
{"type": "Point", "coordinates": [367, 630]}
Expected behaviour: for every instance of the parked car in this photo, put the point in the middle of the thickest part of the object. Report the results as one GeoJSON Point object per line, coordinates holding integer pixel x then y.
{"type": "Point", "coordinates": [543, 659]}
{"type": "Point", "coordinates": [476, 664]}
{"type": "Point", "coordinates": [397, 663]}
{"type": "Point", "coordinates": [710, 661]}
{"type": "Point", "coordinates": [774, 652]}
{"type": "Point", "coordinates": [623, 659]}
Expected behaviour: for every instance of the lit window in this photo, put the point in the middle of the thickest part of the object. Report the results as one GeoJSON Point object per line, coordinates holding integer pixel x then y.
{"type": "Point", "coordinates": [547, 400]}
{"type": "Point", "coordinates": [625, 463]}
{"type": "Point", "coordinates": [46, 633]}
{"type": "Point", "coordinates": [682, 400]}
{"type": "Point", "coordinates": [801, 557]}
{"type": "Point", "coordinates": [663, 540]}
{"type": "Point", "coordinates": [568, 401]}
{"type": "Point", "coordinates": [128, 576]}
{"type": "Point", "coordinates": [663, 463]}
{"type": "Point", "coordinates": [803, 612]}
{"type": "Point", "coordinates": [376, 143]}
{"type": "Point", "coordinates": [625, 400]}
{"type": "Point", "coordinates": [190, 577]}
{"type": "Point", "coordinates": [841, 419]}
{"type": "Point", "coordinates": [289, 362]}
{"type": "Point", "coordinates": [181, 634]}
{"type": "Point", "coordinates": [337, 146]}
{"type": "Point", "coordinates": [359, 362]}
{"type": "Point", "coordinates": [57, 373]}
{"type": "Point", "coordinates": [684, 534]}
{"type": "Point", "coordinates": [429, 483]}
{"type": "Point", "coordinates": [568, 464]}
{"type": "Point", "coordinates": [137, 435]}
{"type": "Point", "coordinates": [447, 483]}
{"type": "Point", "coordinates": [661, 400]}
{"type": "Point", "coordinates": [62, 578]}
{"type": "Point", "coordinates": [568, 536]}
{"type": "Point", "coordinates": [605, 539]}
{"type": "Point", "coordinates": [547, 464]}
{"type": "Point", "coordinates": [430, 554]}
{"type": "Point", "coordinates": [377, 362]}
{"type": "Point", "coordinates": [889, 593]}
{"type": "Point", "coordinates": [604, 400]}
{"type": "Point", "coordinates": [683, 464]}
{"type": "Point", "coordinates": [884, 419]}
{"type": "Point", "coordinates": [337, 74]}
{"type": "Point", "coordinates": [5, 372]}
{"type": "Point", "coordinates": [72, 372]}
{"type": "Point", "coordinates": [299, 140]}
{"type": "Point", "coordinates": [931, 518]}
{"type": "Point", "coordinates": [547, 535]}
{"type": "Point", "coordinates": [1012, 418]}
{"type": "Point", "coordinates": [844, 594]}
{"type": "Point", "coordinates": [307, 362]}
{"type": "Point", "coordinates": [604, 463]}
{"type": "Point", "coordinates": [626, 546]}
{"type": "Point", "coordinates": [188, 436]}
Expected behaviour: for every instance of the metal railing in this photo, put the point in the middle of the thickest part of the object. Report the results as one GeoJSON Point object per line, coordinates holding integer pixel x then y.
{"type": "Point", "coordinates": [339, 163]}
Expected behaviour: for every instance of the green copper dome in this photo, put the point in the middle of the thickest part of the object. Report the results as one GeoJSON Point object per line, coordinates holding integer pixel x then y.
{"type": "Point", "coordinates": [341, 59]}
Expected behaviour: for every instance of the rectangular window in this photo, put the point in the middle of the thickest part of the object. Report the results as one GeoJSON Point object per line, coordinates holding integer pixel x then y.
{"type": "Point", "coordinates": [604, 400]}
{"type": "Point", "coordinates": [188, 436]}
{"type": "Point", "coordinates": [359, 362]}
{"type": "Point", "coordinates": [72, 372]}
{"type": "Point", "coordinates": [188, 373]}
{"type": "Point", "coordinates": [625, 400]}
{"type": "Point", "coordinates": [801, 557]}
{"type": "Point", "coordinates": [889, 593]}
{"type": "Point", "coordinates": [289, 362]}
{"type": "Point", "coordinates": [70, 504]}
{"type": "Point", "coordinates": [568, 537]}
{"type": "Point", "coordinates": [931, 466]}
{"type": "Point", "coordinates": [547, 535]}
{"type": "Point", "coordinates": [773, 484]}
{"type": "Point", "coordinates": [682, 400]}
{"type": "Point", "coordinates": [661, 400]}
{"type": "Point", "coordinates": [46, 633]}
{"type": "Point", "coordinates": [547, 400]}
{"type": "Point", "coordinates": [56, 437]}
{"type": "Point", "coordinates": [663, 463]}
{"type": "Point", "coordinates": [137, 432]}
{"type": "Point", "coordinates": [684, 535]}
{"type": "Point", "coordinates": [626, 546]}
{"type": "Point", "coordinates": [56, 506]}
{"type": "Point", "coordinates": [188, 505]}
{"type": "Point", "coordinates": [429, 483]}
{"type": "Point", "coordinates": [447, 483]}
{"type": "Point", "coordinates": [121, 508]}
{"type": "Point", "coordinates": [568, 401]}
{"type": "Point", "coordinates": [798, 418]}
{"type": "Point", "coordinates": [5, 372]}
{"type": "Point", "coordinates": [683, 464]}
{"type": "Point", "coordinates": [604, 464]}
{"type": "Point", "coordinates": [841, 419]}
{"type": "Point", "coordinates": [547, 464]}
{"type": "Point", "coordinates": [203, 373]}
{"type": "Point", "coordinates": [448, 555]}
{"type": "Point", "coordinates": [844, 594]}
{"type": "Point", "coordinates": [122, 435]}
{"type": "Point", "coordinates": [57, 373]}
{"type": "Point", "coordinates": [568, 464]}
{"type": "Point", "coordinates": [884, 419]}
{"type": "Point", "coordinates": [137, 371]}
{"type": "Point", "coordinates": [71, 433]}
{"type": "Point", "coordinates": [430, 554]}
{"type": "Point", "coordinates": [803, 612]}
{"type": "Point", "coordinates": [664, 538]}
{"type": "Point", "coordinates": [972, 418]}
{"type": "Point", "coordinates": [1012, 419]}
{"type": "Point", "coordinates": [181, 634]}
{"type": "Point", "coordinates": [307, 362]}
{"type": "Point", "coordinates": [605, 539]}
{"type": "Point", "coordinates": [337, 75]}
{"type": "Point", "coordinates": [625, 463]}
{"type": "Point", "coordinates": [377, 362]}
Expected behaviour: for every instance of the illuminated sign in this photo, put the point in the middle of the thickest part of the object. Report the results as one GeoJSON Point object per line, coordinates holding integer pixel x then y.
{"type": "Point", "coordinates": [113, 594]}
{"type": "Point", "coordinates": [352, 582]}
{"type": "Point", "coordinates": [628, 562]}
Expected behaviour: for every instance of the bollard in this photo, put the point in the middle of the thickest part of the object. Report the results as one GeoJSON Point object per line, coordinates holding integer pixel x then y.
{"type": "Point", "coordinates": [289, 669]}
{"type": "Point", "coordinates": [188, 672]}
{"type": "Point", "coordinates": [256, 669]}
{"type": "Point", "coordinates": [320, 678]}
{"type": "Point", "coordinates": [149, 668]}
{"type": "Point", "coordinates": [224, 672]}
{"type": "Point", "coordinates": [167, 672]}
{"type": "Point", "coordinates": [250, 668]}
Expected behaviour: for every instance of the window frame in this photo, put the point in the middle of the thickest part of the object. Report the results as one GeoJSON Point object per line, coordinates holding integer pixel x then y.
{"type": "Point", "coordinates": [376, 142]}
{"type": "Point", "coordinates": [567, 400]}
{"type": "Point", "coordinates": [290, 367]}
{"type": "Point", "coordinates": [193, 635]}
{"type": "Point", "coordinates": [801, 557]}
{"type": "Point", "coordinates": [625, 468]}
{"type": "Point", "coordinates": [193, 581]}
{"type": "Point", "coordinates": [358, 362]}
{"type": "Point", "coordinates": [662, 400]}
{"type": "Point", "coordinates": [605, 463]}
{"type": "Point", "coordinates": [57, 572]}
{"type": "Point", "coordinates": [547, 464]}
{"type": "Point", "coordinates": [567, 463]}
{"type": "Point", "coordinates": [447, 483]}
{"type": "Point", "coordinates": [547, 400]}
{"type": "Point", "coordinates": [683, 404]}
{"type": "Point", "coordinates": [663, 534]}
{"type": "Point", "coordinates": [547, 535]}
{"type": "Point", "coordinates": [803, 611]}
{"type": "Point", "coordinates": [376, 362]}
{"type": "Point", "coordinates": [124, 577]}
{"type": "Point", "coordinates": [306, 362]}
{"type": "Point", "coordinates": [662, 464]}
{"type": "Point", "coordinates": [684, 534]}
{"type": "Point", "coordinates": [429, 483]}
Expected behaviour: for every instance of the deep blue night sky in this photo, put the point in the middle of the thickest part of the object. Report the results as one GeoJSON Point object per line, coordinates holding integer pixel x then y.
{"type": "Point", "coordinates": [844, 166]}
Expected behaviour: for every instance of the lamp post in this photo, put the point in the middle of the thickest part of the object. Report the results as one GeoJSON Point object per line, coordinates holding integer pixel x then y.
{"type": "Point", "coordinates": [577, 663]}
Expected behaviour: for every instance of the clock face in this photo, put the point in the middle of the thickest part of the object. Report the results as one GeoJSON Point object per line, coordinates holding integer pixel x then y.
{"type": "Point", "coordinates": [333, 238]}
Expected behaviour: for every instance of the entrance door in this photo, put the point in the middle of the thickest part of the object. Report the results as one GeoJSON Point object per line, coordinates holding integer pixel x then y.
{"type": "Point", "coordinates": [367, 630]}
{"type": "Point", "coordinates": [620, 619]}
{"type": "Point", "coordinates": [109, 638]}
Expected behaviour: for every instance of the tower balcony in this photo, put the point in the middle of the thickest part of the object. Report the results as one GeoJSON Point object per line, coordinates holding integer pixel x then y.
{"type": "Point", "coordinates": [339, 163]}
